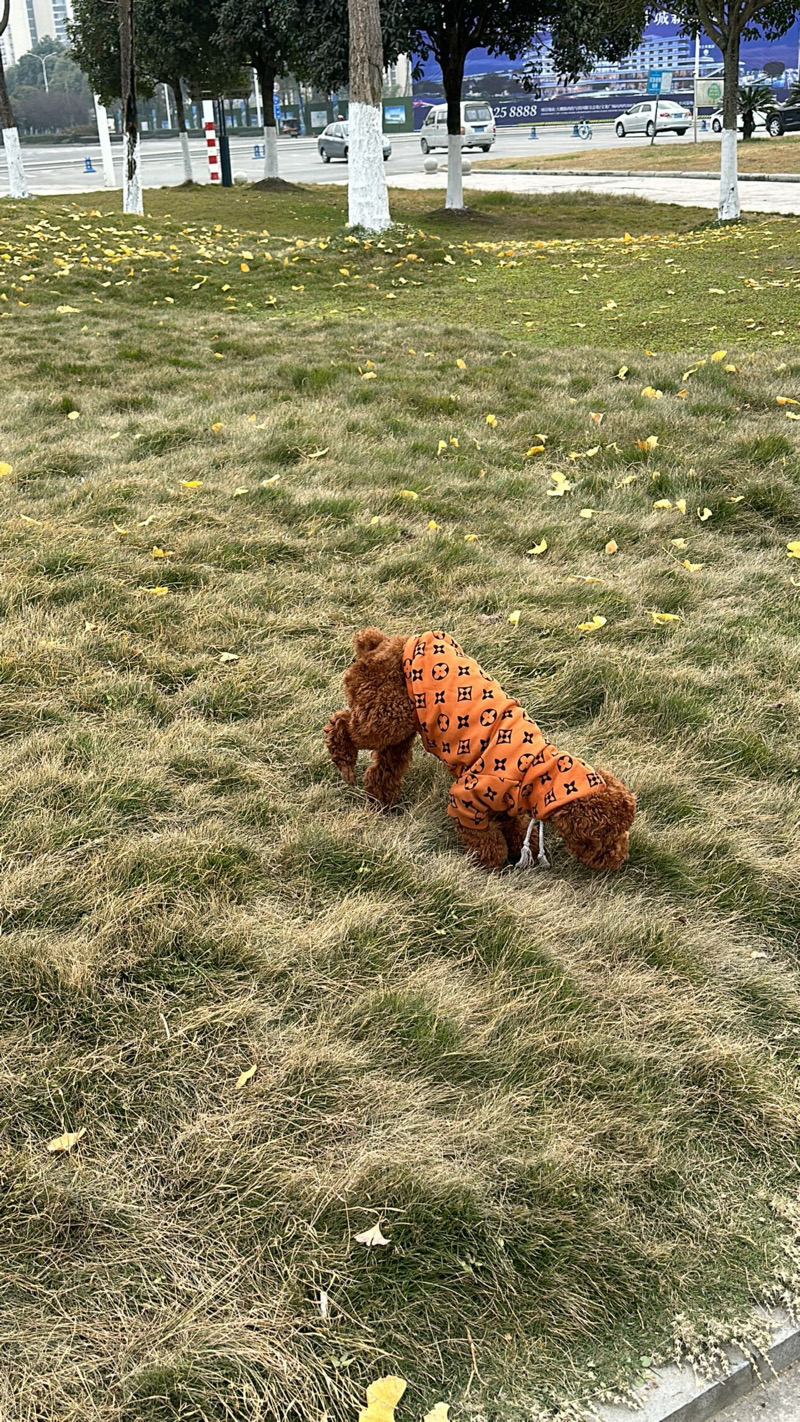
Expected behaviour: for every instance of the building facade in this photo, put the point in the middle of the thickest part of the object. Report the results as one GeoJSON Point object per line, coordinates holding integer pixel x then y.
{"type": "Point", "coordinates": [31, 21]}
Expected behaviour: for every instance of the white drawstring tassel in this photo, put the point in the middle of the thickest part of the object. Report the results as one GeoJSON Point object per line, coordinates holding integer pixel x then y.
{"type": "Point", "coordinates": [526, 859]}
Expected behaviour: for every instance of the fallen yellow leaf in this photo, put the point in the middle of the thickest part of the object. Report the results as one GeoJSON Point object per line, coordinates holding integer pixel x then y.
{"type": "Point", "coordinates": [660, 617]}
{"type": "Point", "coordinates": [191, 483]}
{"type": "Point", "coordinates": [793, 548]}
{"type": "Point", "coordinates": [433, 525]}
{"type": "Point", "coordinates": [596, 623]}
{"type": "Point", "coordinates": [622, 372]}
{"type": "Point", "coordinates": [117, 529]}
{"type": "Point", "coordinates": [678, 542]}
{"type": "Point", "coordinates": [442, 446]}
{"type": "Point", "coordinates": [440, 1412]}
{"type": "Point", "coordinates": [491, 420]}
{"type": "Point", "coordinates": [74, 415]}
{"type": "Point", "coordinates": [67, 1141]}
{"type": "Point", "coordinates": [662, 504]}
{"type": "Point", "coordinates": [612, 546]}
{"type": "Point", "coordinates": [703, 515]}
{"type": "Point", "coordinates": [5, 469]}
{"type": "Point", "coordinates": [513, 618]}
{"type": "Point", "coordinates": [369, 375]}
{"type": "Point", "coordinates": [409, 494]}
{"type": "Point", "coordinates": [245, 1076]}
{"type": "Point", "coordinates": [785, 400]}
{"type": "Point", "coordinates": [539, 547]}
{"type": "Point", "coordinates": [162, 552]}
{"type": "Point", "coordinates": [680, 505]}
{"type": "Point", "coordinates": [462, 364]}
{"type": "Point", "coordinates": [651, 394]}
{"type": "Point", "coordinates": [718, 355]}
{"type": "Point", "coordinates": [692, 567]}
{"type": "Point", "coordinates": [382, 1398]}
{"type": "Point", "coordinates": [67, 310]}
{"type": "Point", "coordinates": [370, 1237]}
{"type": "Point", "coordinates": [471, 537]}
{"type": "Point", "coordinates": [157, 592]}
{"type": "Point", "coordinates": [534, 449]}
{"type": "Point", "coordinates": [650, 443]}
{"type": "Point", "coordinates": [586, 513]}
{"type": "Point", "coordinates": [217, 426]}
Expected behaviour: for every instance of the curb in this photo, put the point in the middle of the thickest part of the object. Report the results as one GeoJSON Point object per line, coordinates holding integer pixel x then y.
{"type": "Point", "coordinates": [639, 173]}
{"type": "Point", "coordinates": [673, 1394]}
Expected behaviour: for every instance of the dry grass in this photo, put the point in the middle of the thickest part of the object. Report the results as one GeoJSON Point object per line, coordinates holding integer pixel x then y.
{"type": "Point", "coordinates": [571, 1102]}
{"type": "Point", "coordinates": [760, 155]}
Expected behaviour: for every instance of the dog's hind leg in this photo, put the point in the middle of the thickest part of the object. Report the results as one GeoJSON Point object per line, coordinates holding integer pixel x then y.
{"type": "Point", "coordinates": [384, 777]}
{"type": "Point", "coordinates": [342, 749]}
{"type": "Point", "coordinates": [487, 845]}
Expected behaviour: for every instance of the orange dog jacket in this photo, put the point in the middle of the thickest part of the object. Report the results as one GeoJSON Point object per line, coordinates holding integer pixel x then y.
{"type": "Point", "coordinates": [497, 756]}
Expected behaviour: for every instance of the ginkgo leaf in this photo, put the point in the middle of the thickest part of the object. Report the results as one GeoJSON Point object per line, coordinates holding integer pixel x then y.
{"type": "Point", "coordinates": [678, 542]}
{"type": "Point", "coordinates": [454, 442]}
{"type": "Point", "coordinates": [785, 400]}
{"type": "Point", "coordinates": [586, 513]}
{"type": "Point", "coordinates": [718, 355]}
{"type": "Point", "coordinates": [243, 267]}
{"type": "Point", "coordinates": [5, 469]}
{"type": "Point", "coordinates": [369, 375]}
{"type": "Point", "coordinates": [118, 529]}
{"type": "Point", "coordinates": [471, 537]}
{"type": "Point", "coordinates": [692, 567]}
{"type": "Point", "coordinates": [462, 364]}
{"type": "Point", "coordinates": [245, 1076]}
{"type": "Point", "coordinates": [622, 372]}
{"type": "Point", "coordinates": [650, 443]}
{"type": "Point", "coordinates": [191, 483]}
{"type": "Point", "coordinates": [157, 592]}
{"type": "Point", "coordinates": [793, 548]}
{"type": "Point", "coordinates": [534, 449]}
{"type": "Point", "coordinates": [612, 546]}
{"type": "Point", "coordinates": [66, 1142]}
{"type": "Point", "coordinates": [513, 618]}
{"type": "Point", "coordinates": [409, 494]}
{"type": "Point", "coordinates": [660, 617]}
{"type": "Point", "coordinates": [610, 306]}
{"type": "Point", "coordinates": [594, 626]}
{"type": "Point", "coordinates": [229, 657]}
{"type": "Point", "coordinates": [539, 547]}
{"type": "Point", "coordinates": [433, 525]}
{"type": "Point", "coordinates": [790, 415]}
{"type": "Point", "coordinates": [491, 420]}
{"type": "Point", "coordinates": [273, 479]}
{"type": "Point", "coordinates": [67, 310]}
{"type": "Point", "coordinates": [662, 504]}
{"type": "Point", "coordinates": [371, 1237]}
{"type": "Point", "coordinates": [651, 394]}
{"type": "Point", "coordinates": [597, 416]}
{"type": "Point", "coordinates": [680, 505]}
{"type": "Point", "coordinates": [242, 489]}
{"type": "Point", "coordinates": [441, 447]}
{"type": "Point", "coordinates": [217, 426]}
{"type": "Point", "coordinates": [162, 552]}
{"type": "Point", "coordinates": [74, 415]}
{"type": "Point", "coordinates": [382, 1398]}
{"type": "Point", "coordinates": [737, 499]}
{"type": "Point", "coordinates": [703, 515]}
{"type": "Point", "coordinates": [440, 1412]}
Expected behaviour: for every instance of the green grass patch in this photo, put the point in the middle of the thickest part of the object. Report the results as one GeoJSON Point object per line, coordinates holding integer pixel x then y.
{"type": "Point", "coordinates": [570, 1102]}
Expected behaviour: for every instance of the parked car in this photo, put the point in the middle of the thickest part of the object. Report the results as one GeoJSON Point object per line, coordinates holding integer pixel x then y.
{"type": "Point", "coordinates": [478, 128]}
{"type": "Point", "coordinates": [333, 143]}
{"type": "Point", "coordinates": [759, 119]}
{"type": "Point", "coordinates": [785, 119]}
{"type": "Point", "coordinates": [653, 116]}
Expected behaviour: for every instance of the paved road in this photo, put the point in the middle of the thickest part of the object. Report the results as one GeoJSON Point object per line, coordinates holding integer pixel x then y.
{"type": "Point", "coordinates": [777, 1401]}
{"type": "Point", "coordinates": [60, 168]}
{"type": "Point", "coordinates": [687, 192]}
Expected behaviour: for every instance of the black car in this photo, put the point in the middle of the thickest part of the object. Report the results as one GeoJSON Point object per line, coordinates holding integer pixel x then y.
{"type": "Point", "coordinates": [786, 119]}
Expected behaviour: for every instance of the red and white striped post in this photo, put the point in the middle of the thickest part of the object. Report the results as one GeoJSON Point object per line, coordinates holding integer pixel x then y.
{"type": "Point", "coordinates": [211, 141]}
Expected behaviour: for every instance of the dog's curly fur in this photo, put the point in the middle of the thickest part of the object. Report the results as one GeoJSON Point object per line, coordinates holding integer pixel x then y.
{"type": "Point", "coordinates": [380, 718]}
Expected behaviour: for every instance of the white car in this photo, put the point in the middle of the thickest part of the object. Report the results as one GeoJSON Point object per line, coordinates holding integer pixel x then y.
{"type": "Point", "coordinates": [653, 116]}
{"type": "Point", "coordinates": [478, 128]}
{"type": "Point", "coordinates": [759, 118]}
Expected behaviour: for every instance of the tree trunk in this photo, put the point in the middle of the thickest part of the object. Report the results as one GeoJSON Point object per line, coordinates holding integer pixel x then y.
{"type": "Point", "coordinates": [17, 186]}
{"type": "Point", "coordinates": [266, 78]}
{"type": "Point", "coordinates": [453, 79]}
{"type": "Point", "coordinates": [131, 156]}
{"type": "Point", "coordinates": [180, 112]}
{"type": "Point", "coordinates": [729, 208]}
{"type": "Point", "coordinates": [368, 198]}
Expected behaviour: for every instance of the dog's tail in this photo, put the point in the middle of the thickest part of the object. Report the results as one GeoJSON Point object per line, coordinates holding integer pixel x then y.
{"type": "Point", "coordinates": [369, 639]}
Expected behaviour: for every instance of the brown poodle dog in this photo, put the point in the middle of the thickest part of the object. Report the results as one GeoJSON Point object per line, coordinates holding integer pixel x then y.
{"type": "Point", "coordinates": [503, 768]}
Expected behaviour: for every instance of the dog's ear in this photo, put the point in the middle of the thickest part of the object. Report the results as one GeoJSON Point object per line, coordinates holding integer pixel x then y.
{"type": "Point", "coordinates": [368, 640]}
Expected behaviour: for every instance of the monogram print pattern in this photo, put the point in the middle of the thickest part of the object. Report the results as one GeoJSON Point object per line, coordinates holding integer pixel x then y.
{"type": "Point", "coordinates": [497, 756]}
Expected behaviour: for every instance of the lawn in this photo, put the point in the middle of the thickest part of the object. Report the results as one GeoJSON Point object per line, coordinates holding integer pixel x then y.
{"type": "Point", "coordinates": [230, 435]}
{"type": "Point", "coordinates": [760, 155]}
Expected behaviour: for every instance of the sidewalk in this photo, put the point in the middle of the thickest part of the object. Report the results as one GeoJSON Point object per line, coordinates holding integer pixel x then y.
{"type": "Point", "coordinates": [777, 1401]}
{"type": "Point", "coordinates": [686, 192]}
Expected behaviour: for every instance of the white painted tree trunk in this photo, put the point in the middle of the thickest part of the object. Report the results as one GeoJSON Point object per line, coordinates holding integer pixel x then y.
{"type": "Point", "coordinates": [132, 175]}
{"type": "Point", "coordinates": [101, 114]}
{"type": "Point", "coordinates": [270, 151]}
{"type": "Point", "coordinates": [187, 157]}
{"type": "Point", "coordinates": [455, 178]}
{"type": "Point", "coordinates": [367, 194]}
{"type": "Point", "coordinates": [729, 208]}
{"type": "Point", "coordinates": [17, 186]}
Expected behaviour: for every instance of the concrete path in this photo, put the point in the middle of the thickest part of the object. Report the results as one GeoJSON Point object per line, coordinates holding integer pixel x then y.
{"type": "Point", "coordinates": [777, 1401]}
{"type": "Point", "coordinates": [687, 192]}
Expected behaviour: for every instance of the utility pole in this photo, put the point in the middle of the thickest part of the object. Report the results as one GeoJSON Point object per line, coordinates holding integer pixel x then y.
{"type": "Point", "coordinates": [696, 78]}
{"type": "Point", "coordinates": [368, 198]}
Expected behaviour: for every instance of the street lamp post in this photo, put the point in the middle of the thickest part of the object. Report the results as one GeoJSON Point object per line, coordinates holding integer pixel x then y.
{"type": "Point", "coordinates": [43, 58]}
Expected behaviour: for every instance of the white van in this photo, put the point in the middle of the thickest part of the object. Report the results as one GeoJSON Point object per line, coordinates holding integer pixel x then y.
{"type": "Point", "coordinates": [478, 128]}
